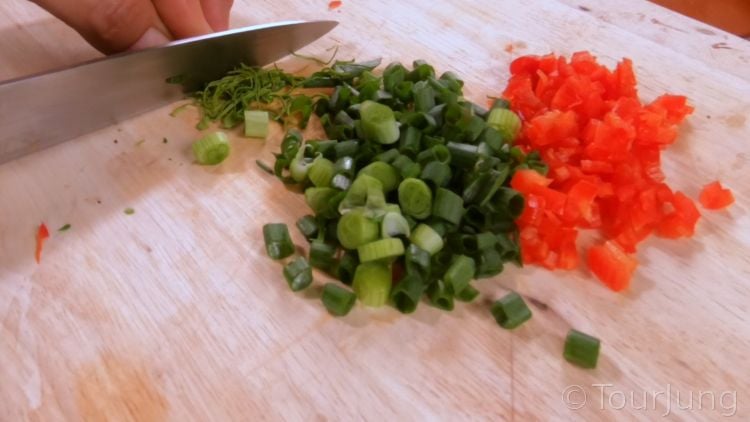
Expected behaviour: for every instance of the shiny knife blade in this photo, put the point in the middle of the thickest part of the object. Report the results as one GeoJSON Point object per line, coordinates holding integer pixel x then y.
{"type": "Point", "coordinates": [42, 110]}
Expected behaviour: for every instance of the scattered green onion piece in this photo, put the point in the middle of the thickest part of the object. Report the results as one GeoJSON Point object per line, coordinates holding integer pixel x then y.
{"type": "Point", "coordinates": [345, 166]}
{"type": "Point", "coordinates": [501, 103]}
{"type": "Point", "coordinates": [278, 242]}
{"type": "Point", "coordinates": [468, 294]}
{"type": "Point", "coordinates": [410, 141]}
{"type": "Point", "coordinates": [406, 294]}
{"type": "Point", "coordinates": [393, 225]}
{"type": "Point", "coordinates": [256, 123]}
{"type": "Point", "coordinates": [581, 349]}
{"type": "Point", "coordinates": [511, 311]}
{"type": "Point", "coordinates": [387, 156]}
{"type": "Point", "coordinates": [385, 173]}
{"type": "Point", "coordinates": [321, 201]}
{"type": "Point", "coordinates": [372, 283]}
{"type": "Point", "coordinates": [490, 263]}
{"type": "Point", "coordinates": [464, 156]}
{"type": "Point", "coordinates": [365, 191]}
{"type": "Point", "coordinates": [298, 274]}
{"type": "Point", "coordinates": [393, 75]}
{"type": "Point", "coordinates": [346, 267]}
{"type": "Point", "coordinates": [421, 71]}
{"type": "Point", "coordinates": [403, 91]}
{"type": "Point", "coordinates": [346, 148]}
{"type": "Point", "coordinates": [300, 165]}
{"type": "Point", "coordinates": [424, 97]}
{"type": "Point", "coordinates": [417, 261]}
{"type": "Point", "coordinates": [322, 255]}
{"type": "Point", "coordinates": [459, 273]}
{"type": "Point", "coordinates": [406, 167]}
{"type": "Point", "coordinates": [321, 172]}
{"type": "Point", "coordinates": [448, 206]}
{"type": "Point", "coordinates": [439, 153]}
{"type": "Point", "coordinates": [439, 296]}
{"type": "Point", "coordinates": [64, 228]}
{"type": "Point", "coordinates": [506, 122]}
{"type": "Point", "coordinates": [307, 226]}
{"type": "Point", "coordinates": [211, 149]}
{"type": "Point", "coordinates": [492, 138]}
{"type": "Point", "coordinates": [427, 238]}
{"type": "Point", "coordinates": [437, 173]}
{"type": "Point", "coordinates": [415, 198]}
{"type": "Point", "coordinates": [378, 123]}
{"type": "Point", "coordinates": [381, 250]}
{"type": "Point", "coordinates": [341, 182]}
{"type": "Point", "coordinates": [338, 300]}
{"type": "Point", "coordinates": [355, 229]}
{"type": "Point", "coordinates": [485, 240]}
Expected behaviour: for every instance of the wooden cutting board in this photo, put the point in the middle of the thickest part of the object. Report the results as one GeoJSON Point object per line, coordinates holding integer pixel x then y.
{"type": "Point", "coordinates": [175, 312]}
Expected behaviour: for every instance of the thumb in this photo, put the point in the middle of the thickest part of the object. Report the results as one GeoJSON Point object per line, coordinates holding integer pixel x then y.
{"type": "Point", "coordinates": [111, 26]}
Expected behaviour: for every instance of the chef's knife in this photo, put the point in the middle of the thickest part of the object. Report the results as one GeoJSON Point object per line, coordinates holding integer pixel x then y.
{"type": "Point", "coordinates": [42, 110]}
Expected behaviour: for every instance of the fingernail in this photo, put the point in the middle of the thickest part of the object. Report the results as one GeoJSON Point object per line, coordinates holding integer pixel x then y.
{"type": "Point", "coordinates": [151, 38]}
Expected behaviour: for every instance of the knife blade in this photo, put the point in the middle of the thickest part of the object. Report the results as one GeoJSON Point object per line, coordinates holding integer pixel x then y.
{"type": "Point", "coordinates": [42, 110]}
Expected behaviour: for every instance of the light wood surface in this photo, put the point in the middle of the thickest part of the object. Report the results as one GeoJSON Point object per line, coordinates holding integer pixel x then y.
{"type": "Point", "coordinates": [175, 313]}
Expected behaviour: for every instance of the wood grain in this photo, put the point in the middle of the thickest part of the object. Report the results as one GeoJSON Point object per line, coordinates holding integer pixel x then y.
{"type": "Point", "coordinates": [175, 312]}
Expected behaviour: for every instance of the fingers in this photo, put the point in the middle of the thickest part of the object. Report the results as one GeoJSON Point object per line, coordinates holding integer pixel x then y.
{"type": "Point", "coordinates": [111, 25]}
{"type": "Point", "coordinates": [184, 18]}
{"type": "Point", "coordinates": [217, 13]}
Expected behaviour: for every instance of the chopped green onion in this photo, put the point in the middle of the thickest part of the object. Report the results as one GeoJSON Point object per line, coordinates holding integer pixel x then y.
{"type": "Point", "coordinates": [300, 165]}
{"type": "Point", "coordinates": [415, 198]}
{"type": "Point", "coordinates": [427, 238]}
{"type": "Point", "coordinates": [463, 155]}
{"type": "Point", "coordinates": [308, 226]}
{"type": "Point", "coordinates": [393, 75]}
{"type": "Point", "coordinates": [341, 182]}
{"type": "Point", "coordinates": [129, 211]}
{"type": "Point", "coordinates": [356, 229]}
{"type": "Point", "coordinates": [394, 224]}
{"type": "Point", "coordinates": [459, 273]}
{"type": "Point", "coordinates": [492, 138]}
{"type": "Point", "coordinates": [490, 263]}
{"type": "Point", "coordinates": [468, 294]}
{"type": "Point", "coordinates": [439, 296]}
{"type": "Point", "coordinates": [211, 149]}
{"type": "Point", "coordinates": [410, 141]}
{"type": "Point", "coordinates": [511, 311]}
{"type": "Point", "coordinates": [298, 274]}
{"type": "Point", "coordinates": [581, 349]}
{"type": "Point", "coordinates": [278, 242]}
{"type": "Point", "coordinates": [347, 265]}
{"type": "Point", "coordinates": [438, 152]}
{"type": "Point", "coordinates": [322, 201]}
{"type": "Point", "coordinates": [378, 123]}
{"type": "Point", "coordinates": [322, 255]}
{"type": "Point", "coordinates": [338, 300]}
{"type": "Point", "coordinates": [436, 172]}
{"type": "Point", "coordinates": [385, 173]}
{"type": "Point", "coordinates": [256, 123]}
{"type": "Point", "coordinates": [448, 206]}
{"type": "Point", "coordinates": [424, 96]}
{"type": "Point", "coordinates": [365, 191]}
{"type": "Point", "coordinates": [372, 283]}
{"type": "Point", "coordinates": [64, 228]}
{"type": "Point", "coordinates": [387, 156]}
{"type": "Point", "coordinates": [485, 240]}
{"type": "Point", "coordinates": [417, 261]}
{"type": "Point", "coordinates": [346, 148]}
{"type": "Point", "coordinates": [381, 250]}
{"type": "Point", "coordinates": [421, 71]}
{"type": "Point", "coordinates": [407, 292]}
{"type": "Point", "coordinates": [506, 122]}
{"type": "Point", "coordinates": [406, 167]}
{"type": "Point", "coordinates": [321, 172]}
{"type": "Point", "coordinates": [345, 166]}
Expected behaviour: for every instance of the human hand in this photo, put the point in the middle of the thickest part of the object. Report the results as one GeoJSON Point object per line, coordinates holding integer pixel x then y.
{"type": "Point", "coordinates": [117, 25]}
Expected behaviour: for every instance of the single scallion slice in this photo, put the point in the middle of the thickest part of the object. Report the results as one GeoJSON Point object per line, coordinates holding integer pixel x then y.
{"type": "Point", "coordinates": [427, 238]}
{"type": "Point", "coordinates": [378, 123]}
{"type": "Point", "coordinates": [322, 255]}
{"type": "Point", "coordinates": [439, 174]}
{"type": "Point", "coordinates": [278, 242]}
{"type": "Point", "coordinates": [581, 349]}
{"type": "Point", "coordinates": [321, 200]}
{"type": "Point", "coordinates": [321, 172]}
{"type": "Point", "coordinates": [511, 311]}
{"type": "Point", "coordinates": [308, 226]}
{"type": "Point", "coordinates": [468, 294]}
{"type": "Point", "coordinates": [506, 122]}
{"type": "Point", "coordinates": [440, 296]}
{"type": "Point", "coordinates": [460, 273]}
{"type": "Point", "coordinates": [211, 149]}
{"type": "Point", "coordinates": [338, 300]}
{"type": "Point", "coordinates": [407, 292]}
{"type": "Point", "coordinates": [381, 250]}
{"type": "Point", "coordinates": [448, 206]}
{"type": "Point", "coordinates": [298, 274]}
{"type": "Point", "coordinates": [256, 123]}
{"type": "Point", "coordinates": [355, 229]}
{"type": "Point", "coordinates": [394, 224]}
{"type": "Point", "coordinates": [417, 261]}
{"type": "Point", "coordinates": [372, 283]}
{"type": "Point", "coordinates": [415, 198]}
{"type": "Point", "coordinates": [346, 266]}
{"type": "Point", "coordinates": [385, 173]}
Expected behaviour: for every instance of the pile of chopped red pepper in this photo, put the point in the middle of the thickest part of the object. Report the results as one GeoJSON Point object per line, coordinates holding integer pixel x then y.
{"type": "Point", "coordinates": [603, 147]}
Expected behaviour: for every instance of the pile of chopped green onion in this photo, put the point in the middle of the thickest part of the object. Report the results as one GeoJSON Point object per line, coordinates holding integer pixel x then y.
{"type": "Point", "coordinates": [410, 193]}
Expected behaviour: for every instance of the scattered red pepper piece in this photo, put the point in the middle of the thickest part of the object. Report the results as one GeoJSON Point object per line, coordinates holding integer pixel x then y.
{"type": "Point", "coordinates": [603, 148]}
{"type": "Point", "coordinates": [715, 197]}
{"type": "Point", "coordinates": [41, 235]}
{"type": "Point", "coordinates": [334, 4]}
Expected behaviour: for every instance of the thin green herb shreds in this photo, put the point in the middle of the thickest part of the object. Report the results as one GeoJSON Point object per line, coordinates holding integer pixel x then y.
{"type": "Point", "coordinates": [412, 183]}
